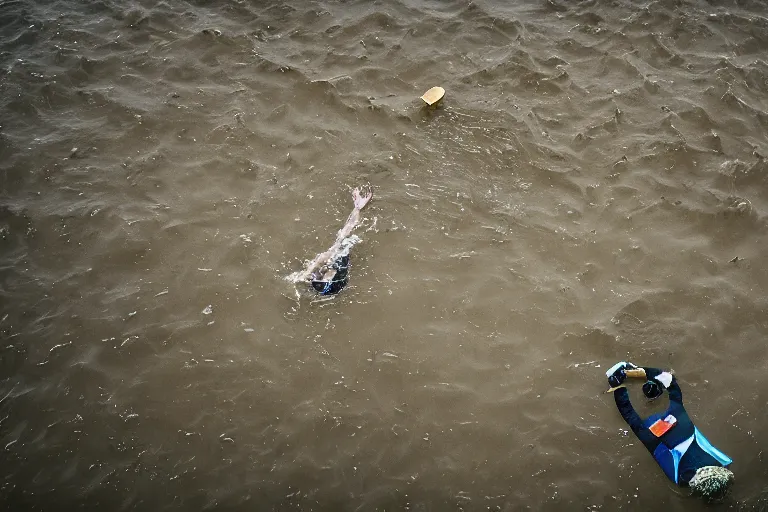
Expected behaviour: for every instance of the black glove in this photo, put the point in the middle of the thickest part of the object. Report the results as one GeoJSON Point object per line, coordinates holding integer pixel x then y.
{"type": "Point", "coordinates": [618, 377]}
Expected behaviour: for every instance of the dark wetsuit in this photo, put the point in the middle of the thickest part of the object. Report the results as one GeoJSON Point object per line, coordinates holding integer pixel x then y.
{"type": "Point", "coordinates": [695, 457]}
{"type": "Point", "coordinates": [339, 280]}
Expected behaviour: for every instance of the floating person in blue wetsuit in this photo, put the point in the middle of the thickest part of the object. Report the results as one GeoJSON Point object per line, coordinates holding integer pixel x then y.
{"type": "Point", "coordinates": [683, 453]}
{"type": "Point", "coordinates": [328, 273]}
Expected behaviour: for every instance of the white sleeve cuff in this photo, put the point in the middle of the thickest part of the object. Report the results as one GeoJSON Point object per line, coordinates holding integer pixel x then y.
{"type": "Point", "coordinates": [665, 378]}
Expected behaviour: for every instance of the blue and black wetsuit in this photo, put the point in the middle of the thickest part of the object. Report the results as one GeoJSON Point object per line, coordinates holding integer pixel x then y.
{"type": "Point", "coordinates": [681, 450]}
{"type": "Point", "coordinates": [339, 280]}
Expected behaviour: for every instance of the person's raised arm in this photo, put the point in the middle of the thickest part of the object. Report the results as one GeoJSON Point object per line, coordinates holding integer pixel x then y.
{"type": "Point", "coordinates": [323, 259]}
{"type": "Point", "coordinates": [354, 217]}
{"type": "Point", "coordinates": [675, 393]}
{"type": "Point", "coordinates": [667, 380]}
{"type": "Point", "coordinates": [621, 396]}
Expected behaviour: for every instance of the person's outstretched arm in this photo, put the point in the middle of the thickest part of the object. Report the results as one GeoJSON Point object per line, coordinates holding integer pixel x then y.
{"type": "Point", "coordinates": [354, 218]}
{"type": "Point", "coordinates": [323, 258]}
{"type": "Point", "coordinates": [635, 422]}
{"type": "Point", "coordinates": [675, 393]}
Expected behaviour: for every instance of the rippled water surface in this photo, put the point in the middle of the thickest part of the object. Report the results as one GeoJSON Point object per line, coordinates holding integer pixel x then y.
{"type": "Point", "coordinates": [593, 188]}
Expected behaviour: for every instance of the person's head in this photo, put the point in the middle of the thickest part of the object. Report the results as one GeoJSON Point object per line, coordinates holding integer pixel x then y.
{"type": "Point", "coordinates": [712, 483]}
{"type": "Point", "coordinates": [334, 279]}
{"type": "Point", "coordinates": [652, 390]}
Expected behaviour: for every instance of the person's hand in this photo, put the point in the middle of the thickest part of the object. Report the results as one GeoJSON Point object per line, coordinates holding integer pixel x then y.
{"type": "Point", "coordinates": [618, 377]}
{"type": "Point", "coordinates": [361, 199]}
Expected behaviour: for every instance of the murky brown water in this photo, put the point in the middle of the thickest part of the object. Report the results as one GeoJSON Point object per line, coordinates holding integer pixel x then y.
{"type": "Point", "coordinates": [577, 200]}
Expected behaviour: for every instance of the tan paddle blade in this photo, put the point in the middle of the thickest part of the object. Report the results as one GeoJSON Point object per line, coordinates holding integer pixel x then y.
{"type": "Point", "coordinates": [433, 95]}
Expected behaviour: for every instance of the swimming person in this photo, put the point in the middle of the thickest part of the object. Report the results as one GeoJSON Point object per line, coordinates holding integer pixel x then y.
{"type": "Point", "coordinates": [328, 273]}
{"type": "Point", "coordinates": [683, 453]}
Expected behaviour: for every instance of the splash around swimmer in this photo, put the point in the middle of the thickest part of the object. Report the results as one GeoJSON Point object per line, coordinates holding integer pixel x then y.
{"type": "Point", "coordinates": [328, 272]}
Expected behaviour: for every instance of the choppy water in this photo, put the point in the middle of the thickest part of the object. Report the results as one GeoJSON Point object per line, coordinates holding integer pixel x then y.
{"type": "Point", "coordinates": [578, 199]}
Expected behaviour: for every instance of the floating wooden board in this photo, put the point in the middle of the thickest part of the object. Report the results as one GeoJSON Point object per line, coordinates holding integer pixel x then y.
{"type": "Point", "coordinates": [433, 95]}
